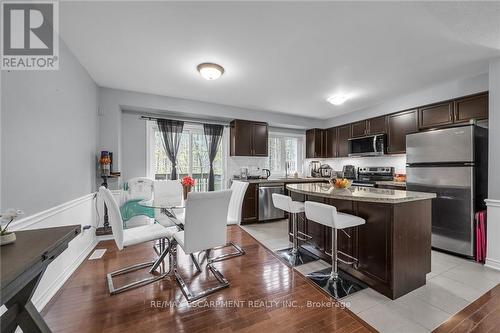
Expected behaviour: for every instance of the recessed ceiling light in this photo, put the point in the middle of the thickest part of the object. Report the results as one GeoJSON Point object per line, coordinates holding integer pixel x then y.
{"type": "Point", "coordinates": [338, 99]}
{"type": "Point", "coordinates": [210, 71]}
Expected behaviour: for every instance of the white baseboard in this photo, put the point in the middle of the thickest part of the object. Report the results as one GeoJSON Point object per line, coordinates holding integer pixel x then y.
{"type": "Point", "coordinates": [492, 263]}
{"type": "Point", "coordinates": [46, 295]}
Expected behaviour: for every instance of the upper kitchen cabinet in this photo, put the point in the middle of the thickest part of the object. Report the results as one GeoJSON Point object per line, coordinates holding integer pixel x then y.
{"type": "Point", "coordinates": [343, 135]}
{"type": "Point", "coordinates": [331, 142]}
{"type": "Point", "coordinates": [248, 138]}
{"type": "Point", "coordinates": [377, 125]}
{"type": "Point", "coordinates": [359, 128]}
{"type": "Point", "coordinates": [435, 115]}
{"type": "Point", "coordinates": [369, 127]}
{"type": "Point", "coordinates": [399, 125]}
{"type": "Point", "coordinates": [471, 107]}
{"type": "Point", "coordinates": [315, 143]}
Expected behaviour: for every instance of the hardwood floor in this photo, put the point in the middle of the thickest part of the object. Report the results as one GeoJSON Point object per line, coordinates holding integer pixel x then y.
{"type": "Point", "coordinates": [84, 304]}
{"type": "Point", "coordinates": [483, 315]}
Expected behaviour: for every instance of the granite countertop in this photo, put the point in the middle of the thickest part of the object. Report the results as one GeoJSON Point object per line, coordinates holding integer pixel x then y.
{"type": "Point", "coordinates": [391, 183]}
{"type": "Point", "coordinates": [285, 180]}
{"type": "Point", "coordinates": [360, 193]}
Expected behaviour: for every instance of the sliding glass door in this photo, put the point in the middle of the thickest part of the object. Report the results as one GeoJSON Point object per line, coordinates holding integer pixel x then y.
{"type": "Point", "coordinates": [192, 158]}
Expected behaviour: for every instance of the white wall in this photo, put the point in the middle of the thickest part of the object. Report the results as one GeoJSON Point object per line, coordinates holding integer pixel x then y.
{"type": "Point", "coordinates": [48, 158]}
{"type": "Point", "coordinates": [134, 148]}
{"type": "Point", "coordinates": [437, 93]}
{"type": "Point", "coordinates": [493, 202]}
{"type": "Point", "coordinates": [49, 135]}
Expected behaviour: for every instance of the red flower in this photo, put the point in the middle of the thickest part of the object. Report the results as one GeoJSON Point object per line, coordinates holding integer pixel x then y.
{"type": "Point", "coordinates": [187, 181]}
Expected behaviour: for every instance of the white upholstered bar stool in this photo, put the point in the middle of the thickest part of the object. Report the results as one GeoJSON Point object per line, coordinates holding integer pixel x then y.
{"type": "Point", "coordinates": [294, 256]}
{"type": "Point", "coordinates": [328, 216]}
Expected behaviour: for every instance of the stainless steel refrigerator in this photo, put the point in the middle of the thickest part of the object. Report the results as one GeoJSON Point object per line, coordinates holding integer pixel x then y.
{"type": "Point", "coordinates": [453, 163]}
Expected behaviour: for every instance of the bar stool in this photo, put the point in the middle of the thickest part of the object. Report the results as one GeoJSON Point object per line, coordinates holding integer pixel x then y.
{"type": "Point", "coordinates": [294, 255]}
{"type": "Point", "coordinates": [331, 282]}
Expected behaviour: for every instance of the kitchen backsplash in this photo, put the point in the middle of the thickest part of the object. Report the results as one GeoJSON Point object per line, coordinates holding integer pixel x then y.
{"type": "Point", "coordinates": [234, 164]}
{"type": "Point", "coordinates": [396, 161]}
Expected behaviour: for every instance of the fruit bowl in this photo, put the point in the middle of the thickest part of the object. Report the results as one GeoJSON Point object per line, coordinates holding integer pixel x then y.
{"type": "Point", "coordinates": [341, 183]}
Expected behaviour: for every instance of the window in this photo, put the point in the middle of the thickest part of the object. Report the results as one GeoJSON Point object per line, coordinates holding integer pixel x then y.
{"type": "Point", "coordinates": [284, 148]}
{"type": "Point", "coordinates": [192, 157]}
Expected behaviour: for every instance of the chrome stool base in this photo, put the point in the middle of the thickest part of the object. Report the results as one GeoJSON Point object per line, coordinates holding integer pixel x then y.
{"type": "Point", "coordinates": [341, 286]}
{"type": "Point", "coordinates": [300, 257]}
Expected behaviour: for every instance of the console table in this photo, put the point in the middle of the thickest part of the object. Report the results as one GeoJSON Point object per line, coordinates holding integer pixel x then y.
{"type": "Point", "coordinates": [22, 266]}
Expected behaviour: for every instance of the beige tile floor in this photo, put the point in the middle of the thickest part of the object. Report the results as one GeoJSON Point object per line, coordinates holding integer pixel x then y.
{"type": "Point", "coordinates": [452, 284]}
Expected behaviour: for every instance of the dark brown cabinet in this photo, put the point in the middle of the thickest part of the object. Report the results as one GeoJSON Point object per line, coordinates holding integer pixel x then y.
{"type": "Point", "coordinates": [250, 209]}
{"type": "Point", "coordinates": [260, 134]}
{"type": "Point", "coordinates": [374, 256]}
{"type": "Point", "coordinates": [359, 129]}
{"type": "Point", "coordinates": [377, 125]}
{"type": "Point", "coordinates": [399, 125]}
{"type": "Point", "coordinates": [331, 142]}
{"type": "Point", "coordinates": [248, 138]}
{"type": "Point", "coordinates": [315, 143]}
{"type": "Point", "coordinates": [471, 107]}
{"type": "Point", "coordinates": [343, 135]}
{"type": "Point", "coordinates": [435, 115]}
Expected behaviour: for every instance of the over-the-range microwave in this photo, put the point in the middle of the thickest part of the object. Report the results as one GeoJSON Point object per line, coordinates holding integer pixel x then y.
{"type": "Point", "coordinates": [371, 145]}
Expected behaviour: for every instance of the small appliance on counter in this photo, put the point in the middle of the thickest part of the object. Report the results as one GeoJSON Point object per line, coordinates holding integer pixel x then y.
{"type": "Point", "coordinates": [349, 172]}
{"type": "Point", "coordinates": [315, 166]}
{"type": "Point", "coordinates": [243, 173]}
{"type": "Point", "coordinates": [368, 176]}
{"type": "Point", "coordinates": [266, 173]}
{"type": "Point", "coordinates": [325, 171]}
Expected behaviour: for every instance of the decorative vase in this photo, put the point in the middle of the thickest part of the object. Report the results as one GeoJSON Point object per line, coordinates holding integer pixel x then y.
{"type": "Point", "coordinates": [7, 238]}
{"type": "Point", "coordinates": [187, 189]}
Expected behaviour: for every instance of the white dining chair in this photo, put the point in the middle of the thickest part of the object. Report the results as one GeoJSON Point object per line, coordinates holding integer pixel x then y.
{"type": "Point", "coordinates": [137, 189]}
{"type": "Point", "coordinates": [204, 229]}
{"type": "Point", "coordinates": [167, 193]}
{"type": "Point", "coordinates": [236, 204]}
{"type": "Point", "coordinates": [133, 236]}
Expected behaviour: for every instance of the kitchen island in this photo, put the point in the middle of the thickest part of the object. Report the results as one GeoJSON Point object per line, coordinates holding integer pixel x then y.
{"type": "Point", "coordinates": [393, 246]}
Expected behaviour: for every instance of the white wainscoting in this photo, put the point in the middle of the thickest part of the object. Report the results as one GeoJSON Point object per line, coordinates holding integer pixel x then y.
{"type": "Point", "coordinates": [493, 236]}
{"type": "Point", "coordinates": [80, 211]}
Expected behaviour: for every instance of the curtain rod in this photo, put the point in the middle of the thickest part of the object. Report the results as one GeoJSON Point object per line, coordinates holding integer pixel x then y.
{"type": "Point", "coordinates": [186, 121]}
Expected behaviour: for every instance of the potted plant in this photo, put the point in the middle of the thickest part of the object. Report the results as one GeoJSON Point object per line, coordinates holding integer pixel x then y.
{"type": "Point", "coordinates": [6, 218]}
{"type": "Point", "coordinates": [187, 185]}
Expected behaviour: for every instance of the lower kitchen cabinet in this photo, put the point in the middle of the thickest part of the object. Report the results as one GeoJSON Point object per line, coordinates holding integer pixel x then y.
{"type": "Point", "coordinates": [374, 255]}
{"type": "Point", "coordinates": [250, 209]}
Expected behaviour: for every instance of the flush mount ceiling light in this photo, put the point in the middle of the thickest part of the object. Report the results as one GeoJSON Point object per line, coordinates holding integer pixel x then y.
{"type": "Point", "coordinates": [210, 71]}
{"type": "Point", "coordinates": [338, 99]}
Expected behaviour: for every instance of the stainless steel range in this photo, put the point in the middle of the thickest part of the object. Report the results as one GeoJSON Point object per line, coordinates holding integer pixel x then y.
{"type": "Point", "coordinates": [368, 176]}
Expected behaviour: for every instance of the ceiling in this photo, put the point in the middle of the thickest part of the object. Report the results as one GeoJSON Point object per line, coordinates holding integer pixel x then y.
{"type": "Point", "coordinates": [282, 57]}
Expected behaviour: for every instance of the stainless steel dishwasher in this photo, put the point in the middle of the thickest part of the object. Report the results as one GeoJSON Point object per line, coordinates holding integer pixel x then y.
{"type": "Point", "coordinates": [267, 211]}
